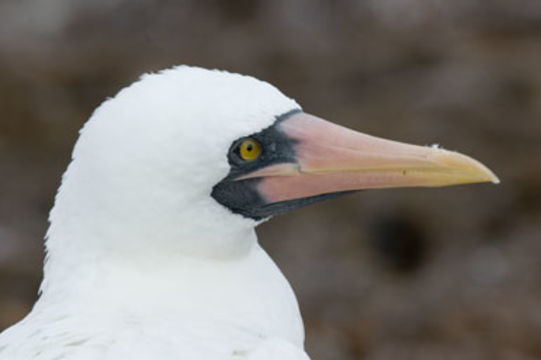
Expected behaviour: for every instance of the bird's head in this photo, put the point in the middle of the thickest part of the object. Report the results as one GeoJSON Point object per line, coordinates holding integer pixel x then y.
{"type": "Point", "coordinates": [191, 160]}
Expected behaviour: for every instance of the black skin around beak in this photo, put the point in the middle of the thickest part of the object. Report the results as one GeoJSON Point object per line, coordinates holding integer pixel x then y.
{"type": "Point", "coordinates": [242, 196]}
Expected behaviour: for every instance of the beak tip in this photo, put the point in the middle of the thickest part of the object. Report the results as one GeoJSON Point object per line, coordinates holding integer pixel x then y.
{"type": "Point", "coordinates": [494, 179]}
{"type": "Point", "coordinates": [473, 171]}
{"type": "Point", "coordinates": [487, 174]}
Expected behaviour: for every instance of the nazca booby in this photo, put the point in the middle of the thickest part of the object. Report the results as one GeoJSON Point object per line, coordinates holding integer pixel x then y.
{"type": "Point", "coordinates": [151, 250]}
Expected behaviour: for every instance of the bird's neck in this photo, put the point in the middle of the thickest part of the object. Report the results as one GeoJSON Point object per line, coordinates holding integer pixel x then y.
{"type": "Point", "coordinates": [78, 263]}
{"type": "Point", "coordinates": [244, 297]}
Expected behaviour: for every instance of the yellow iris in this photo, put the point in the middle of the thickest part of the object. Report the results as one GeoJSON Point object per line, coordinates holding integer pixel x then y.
{"type": "Point", "coordinates": [250, 149]}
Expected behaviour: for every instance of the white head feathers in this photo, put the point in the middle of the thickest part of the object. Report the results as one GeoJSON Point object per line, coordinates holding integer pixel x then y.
{"type": "Point", "coordinates": [146, 161]}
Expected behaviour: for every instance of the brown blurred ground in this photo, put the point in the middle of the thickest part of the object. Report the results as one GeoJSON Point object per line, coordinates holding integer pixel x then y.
{"type": "Point", "coordinates": [403, 274]}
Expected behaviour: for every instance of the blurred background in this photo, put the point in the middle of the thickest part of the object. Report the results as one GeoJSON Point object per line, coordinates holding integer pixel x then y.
{"type": "Point", "coordinates": [449, 273]}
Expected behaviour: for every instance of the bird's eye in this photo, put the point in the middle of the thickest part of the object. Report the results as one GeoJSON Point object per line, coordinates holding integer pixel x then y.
{"type": "Point", "coordinates": [249, 149]}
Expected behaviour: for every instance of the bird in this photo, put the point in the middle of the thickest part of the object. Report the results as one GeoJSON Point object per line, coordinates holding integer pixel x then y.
{"type": "Point", "coordinates": [151, 250]}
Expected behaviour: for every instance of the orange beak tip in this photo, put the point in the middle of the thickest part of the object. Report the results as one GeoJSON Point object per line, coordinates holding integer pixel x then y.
{"type": "Point", "coordinates": [465, 168]}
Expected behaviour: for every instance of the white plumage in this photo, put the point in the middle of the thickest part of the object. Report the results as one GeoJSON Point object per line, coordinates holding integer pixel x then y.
{"type": "Point", "coordinates": [141, 262]}
{"type": "Point", "coordinates": [151, 250]}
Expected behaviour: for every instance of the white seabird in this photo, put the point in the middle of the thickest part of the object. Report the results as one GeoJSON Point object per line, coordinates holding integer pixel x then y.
{"type": "Point", "coordinates": [151, 250]}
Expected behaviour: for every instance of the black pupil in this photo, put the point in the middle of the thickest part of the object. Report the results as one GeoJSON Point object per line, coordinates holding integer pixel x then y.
{"type": "Point", "coordinates": [250, 147]}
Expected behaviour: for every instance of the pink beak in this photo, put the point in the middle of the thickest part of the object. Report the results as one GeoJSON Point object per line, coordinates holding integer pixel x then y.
{"type": "Point", "coordinates": [331, 158]}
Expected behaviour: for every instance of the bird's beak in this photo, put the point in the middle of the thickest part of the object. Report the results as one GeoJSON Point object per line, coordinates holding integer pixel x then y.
{"type": "Point", "coordinates": [331, 158]}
